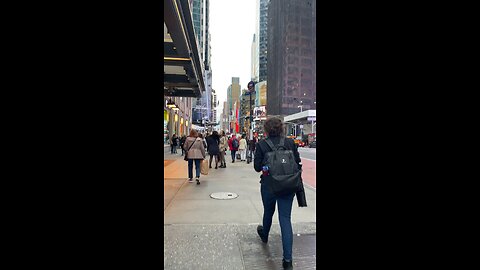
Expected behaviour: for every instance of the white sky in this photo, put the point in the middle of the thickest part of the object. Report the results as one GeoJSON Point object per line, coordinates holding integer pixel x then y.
{"type": "Point", "coordinates": [232, 25]}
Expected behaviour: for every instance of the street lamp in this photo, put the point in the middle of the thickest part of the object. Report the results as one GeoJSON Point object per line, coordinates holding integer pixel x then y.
{"type": "Point", "coordinates": [300, 106]}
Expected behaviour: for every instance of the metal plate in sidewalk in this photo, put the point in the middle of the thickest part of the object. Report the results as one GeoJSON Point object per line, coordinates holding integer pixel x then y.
{"type": "Point", "coordinates": [223, 195]}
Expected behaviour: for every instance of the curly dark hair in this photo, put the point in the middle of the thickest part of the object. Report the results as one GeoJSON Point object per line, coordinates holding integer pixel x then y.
{"type": "Point", "coordinates": [273, 126]}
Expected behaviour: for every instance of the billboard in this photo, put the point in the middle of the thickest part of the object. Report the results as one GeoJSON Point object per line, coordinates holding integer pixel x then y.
{"type": "Point", "coordinates": [263, 94]}
{"type": "Point", "coordinates": [260, 113]}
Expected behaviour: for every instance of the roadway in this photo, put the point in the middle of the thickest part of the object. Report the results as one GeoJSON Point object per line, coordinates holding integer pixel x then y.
{"type": "Point", "coordinates": [308, 153]}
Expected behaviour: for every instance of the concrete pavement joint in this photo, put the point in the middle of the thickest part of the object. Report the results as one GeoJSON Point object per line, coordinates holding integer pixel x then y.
{"type": "Point", "coordinates": [173, 198]}
{"type": "Point", "coordinates": [239, 245]}
{"type": "Point", "coordinates": [258, 212]}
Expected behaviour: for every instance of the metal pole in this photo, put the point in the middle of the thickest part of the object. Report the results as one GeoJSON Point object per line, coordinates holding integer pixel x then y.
{"type": "Point", "coordinates": [251, 116]}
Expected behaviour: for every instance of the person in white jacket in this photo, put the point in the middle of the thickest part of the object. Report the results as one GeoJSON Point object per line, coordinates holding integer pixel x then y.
{"type": "Point", "coordinates": [223, 148]}
{"type": "Point", "coordinates": [242, 148]}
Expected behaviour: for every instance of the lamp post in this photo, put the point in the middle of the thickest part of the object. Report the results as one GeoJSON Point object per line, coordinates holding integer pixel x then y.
{"type": "Point", "coordinates": [251, 91]}
{"type": "Point", "coordinates": [301, 105]}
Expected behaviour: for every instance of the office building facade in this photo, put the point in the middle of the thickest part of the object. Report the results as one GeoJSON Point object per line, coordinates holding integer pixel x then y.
{"type": "Point", "coordinates": [202, 110]}
{"type": "Point", "coordinates": [262, 42]}
{"type": "Point", "coordinates": [233, 101]}
{"type": "Point", "coordinates": [291, 56]}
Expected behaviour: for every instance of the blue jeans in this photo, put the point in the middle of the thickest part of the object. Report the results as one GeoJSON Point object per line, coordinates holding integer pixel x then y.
{"type": "Point", "coordinates": [233, 152]}
{"type": "Point", "coordinates": [197, 168]}
{"type": "Point", "coordinates": [284, 217]}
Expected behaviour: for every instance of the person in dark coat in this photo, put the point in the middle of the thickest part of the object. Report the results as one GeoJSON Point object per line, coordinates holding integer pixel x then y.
{"type": "Point", "coordinates": [173, 144]}
{"type": "Point", "coordinates": [274, 129]}
{"type": "Point", "coordinates": [182, 142]}
{"type": "Point", "coordinates": [213, 149]}
{"type": "Point", "coordinates": [251, 146]}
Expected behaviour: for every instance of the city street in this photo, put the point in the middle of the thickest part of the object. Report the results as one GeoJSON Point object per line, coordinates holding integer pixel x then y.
{"type": "Point", "coordinates": [306, 152]}
{"type": "Point", "coordinates": [309, 166]}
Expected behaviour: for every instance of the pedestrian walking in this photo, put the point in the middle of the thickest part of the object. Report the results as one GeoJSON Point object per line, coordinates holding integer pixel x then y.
{"type": "Point", "coordinates": [173, 144]}
{"type": "Point", "coordinates": [195, 152]}
{"type": "Point", "coordinates": [233, 145]}
{"type": "Point", "coordinates": [213, 142]}
{"type": "Point", "coordinates": [182, 142]}
{"type": "Point", "coordinates": [223, 149]}
{"type": "Point", "coordinates": [274, 129]}
{"type": "Point", "coordinates": [251, 147]}
{"type": "Point", "coordinates": [242, 148]}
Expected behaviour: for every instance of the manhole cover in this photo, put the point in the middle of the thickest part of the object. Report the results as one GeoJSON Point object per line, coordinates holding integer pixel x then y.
{"type": "Point", "coordinates": [223, 195]}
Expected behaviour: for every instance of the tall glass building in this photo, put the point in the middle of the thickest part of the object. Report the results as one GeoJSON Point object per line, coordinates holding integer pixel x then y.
{"type": "Point", "coordinates": [202, 107]}
{"type": "Point", "coordinates": [291, 56]}
{"type": "Point", "coordinates": [262, 39]}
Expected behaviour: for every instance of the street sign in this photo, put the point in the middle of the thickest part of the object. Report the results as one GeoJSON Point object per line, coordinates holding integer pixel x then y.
{"type": "Point", "coordinates": [314, 118]}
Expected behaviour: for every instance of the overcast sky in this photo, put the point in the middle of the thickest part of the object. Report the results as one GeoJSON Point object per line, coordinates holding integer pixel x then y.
{"type": "Point", "coordinates": [232, 25]}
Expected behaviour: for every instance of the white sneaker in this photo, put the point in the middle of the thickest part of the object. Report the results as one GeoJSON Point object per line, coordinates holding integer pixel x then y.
{"type": "Point", "coordinates": [190, 180]}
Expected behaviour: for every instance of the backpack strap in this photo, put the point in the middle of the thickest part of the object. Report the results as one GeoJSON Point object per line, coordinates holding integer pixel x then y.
{"type": "Point", "coordinates": [269, 143]}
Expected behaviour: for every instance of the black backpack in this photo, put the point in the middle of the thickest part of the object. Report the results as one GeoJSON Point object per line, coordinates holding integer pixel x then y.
{"type": "Point", "coordinates": [284, 175]}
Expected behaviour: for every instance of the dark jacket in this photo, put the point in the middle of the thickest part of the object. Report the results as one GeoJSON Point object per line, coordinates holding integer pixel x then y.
{"type": "Point", "coordinates": [251, 144]}
{"type": "Point", "coordinates": [174, 140]}
{"type": "Point", "coordinates": [262, 148]}
{"type": "Point", "coordinates": [212, 142]}
{"type": "Point", "coordinates": [182, 140]}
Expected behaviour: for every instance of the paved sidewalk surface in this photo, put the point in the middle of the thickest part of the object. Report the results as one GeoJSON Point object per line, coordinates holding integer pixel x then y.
{"type": "Point", "coordinates": [205, 233]}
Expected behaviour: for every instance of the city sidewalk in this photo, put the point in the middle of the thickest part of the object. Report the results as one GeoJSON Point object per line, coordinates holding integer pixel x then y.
{"type": "Point", "coordinates": [205, 233]}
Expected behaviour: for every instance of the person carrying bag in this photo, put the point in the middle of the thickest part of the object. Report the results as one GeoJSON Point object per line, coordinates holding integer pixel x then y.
{"type": "Point", "coordinates": [194, 154]}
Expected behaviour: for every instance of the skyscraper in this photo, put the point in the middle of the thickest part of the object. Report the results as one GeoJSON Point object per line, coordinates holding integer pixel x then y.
{"type": "Point", "coordinates": [202, 109]}
{"type": "Point", "coordinates": [291, 56]}
{"type": "Point", "coordinates": [207, 46]}
{"type": "Point", "coordinates": [254, 61]}
{"type": "Point", "coordinates": [233, 99]}
{"type": "Point", "coordinates": [197, 17]}
{"type": "Point", "coordinates": [262, 39]}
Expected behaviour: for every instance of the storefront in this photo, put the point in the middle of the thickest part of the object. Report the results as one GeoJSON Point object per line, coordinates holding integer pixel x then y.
{"type": "Point", "coordinates": [165, 126]}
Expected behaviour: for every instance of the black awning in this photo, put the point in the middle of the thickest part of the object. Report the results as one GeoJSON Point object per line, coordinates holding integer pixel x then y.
{"type": "Point", "coordinates": [183, 70]}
